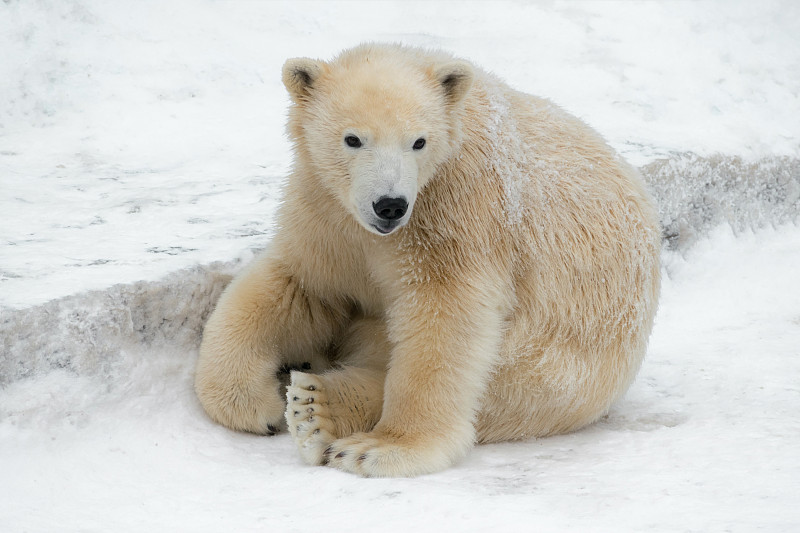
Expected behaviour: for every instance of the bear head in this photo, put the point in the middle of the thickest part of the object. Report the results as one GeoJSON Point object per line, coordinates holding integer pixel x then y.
{"type": "Point", "coordinates": [375, 124]}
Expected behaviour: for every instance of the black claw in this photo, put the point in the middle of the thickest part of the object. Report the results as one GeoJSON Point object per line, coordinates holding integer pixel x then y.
{"type": "Point", "coordinates": [296, 413]}
{"type": "Point", "coordinates": [310, 410]}
{"type": "Point", "coordinates": [315, 432]}
{"type": "Point", "coordinates": [340, 455]}
{"type": "Point", "coordinates": [271, 429]}
{"type": "Point", "coordinates": [310, 418]}
{"type": "Point", "coordinates": [362, 457]}
{"type": "Point", "coordinates": [327, 451]}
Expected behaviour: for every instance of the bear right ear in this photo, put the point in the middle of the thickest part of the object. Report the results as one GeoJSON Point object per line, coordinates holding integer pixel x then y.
{"type": "Point", "coordinates": [299, 76]}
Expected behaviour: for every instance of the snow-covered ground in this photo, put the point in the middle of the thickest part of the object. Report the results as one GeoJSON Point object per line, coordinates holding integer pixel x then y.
{"type": "Point", "coordinates": [141, 153]}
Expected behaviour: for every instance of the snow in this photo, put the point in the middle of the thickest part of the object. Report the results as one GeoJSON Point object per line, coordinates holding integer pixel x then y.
{"type": "Point", "coordinates": [141, 156]}
{"type": "Point", "coordinates": [508, 154]}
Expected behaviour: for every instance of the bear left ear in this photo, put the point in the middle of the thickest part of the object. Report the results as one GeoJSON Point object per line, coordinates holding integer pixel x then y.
{"type": "Point", "coordinates": [456, 79]}
{"type": "Point", "coordinates": [299, 76]}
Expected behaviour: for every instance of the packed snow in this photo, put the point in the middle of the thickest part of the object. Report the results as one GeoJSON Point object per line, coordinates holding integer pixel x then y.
{"type": "Point", "coordinates": [142, 150]}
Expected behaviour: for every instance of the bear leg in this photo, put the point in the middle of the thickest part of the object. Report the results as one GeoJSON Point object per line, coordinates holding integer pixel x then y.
{"type": "Point", "coordinates": [447, 338]}
{"type": "Point", "coordinates": [265, 321]}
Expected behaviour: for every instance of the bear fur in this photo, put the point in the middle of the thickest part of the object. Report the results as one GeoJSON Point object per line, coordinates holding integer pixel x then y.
{"type": "Point", "coordinates": [507, 291]}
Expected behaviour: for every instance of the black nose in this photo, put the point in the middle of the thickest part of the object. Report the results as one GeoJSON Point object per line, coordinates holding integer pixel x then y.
{"type": "Point", "coordinates": [390, 208]}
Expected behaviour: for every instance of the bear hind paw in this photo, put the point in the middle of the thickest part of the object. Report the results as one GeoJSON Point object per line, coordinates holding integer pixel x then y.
{"type": "Point", "coordinates": [308, 417]}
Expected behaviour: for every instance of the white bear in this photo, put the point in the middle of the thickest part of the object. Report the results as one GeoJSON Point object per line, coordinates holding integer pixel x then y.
{"type": "Point", "coordinates": [455, 262]}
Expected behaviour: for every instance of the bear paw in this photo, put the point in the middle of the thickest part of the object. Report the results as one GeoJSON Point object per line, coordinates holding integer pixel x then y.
{"type": "Point", "coordinates": [256, 409]}
{"type": "Point", "coordinates": [376, 455]}
{"type": "Point", "coordinates": [308, 416]}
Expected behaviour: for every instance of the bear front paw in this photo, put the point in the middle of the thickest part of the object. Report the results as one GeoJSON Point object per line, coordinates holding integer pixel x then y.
{"type": "Point", "coordinates": [378, 455]}
{"type": "Point", "coordinates": [308, 416]}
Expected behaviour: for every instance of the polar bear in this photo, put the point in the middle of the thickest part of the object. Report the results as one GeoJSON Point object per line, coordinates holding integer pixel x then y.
{"type": "Point", "coordinates": [455, 262]}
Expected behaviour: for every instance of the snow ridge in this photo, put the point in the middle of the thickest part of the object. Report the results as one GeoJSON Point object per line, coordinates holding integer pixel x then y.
{"type": "Point", "coordinates": [696, 194]}
{"type": "Point", "coordinates": [91, 333]}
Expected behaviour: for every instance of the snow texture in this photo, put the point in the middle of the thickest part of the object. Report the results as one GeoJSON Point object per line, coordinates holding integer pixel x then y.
{"type": "Point", "coordinates": [508, 155]}
{"type": "Point", "coordinates": [141, 157]}
{"type": "Point", "coordinates": [696, 194]}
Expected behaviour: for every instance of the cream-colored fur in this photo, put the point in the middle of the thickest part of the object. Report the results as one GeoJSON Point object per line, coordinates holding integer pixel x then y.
{"type": "Point", "coordinates": [514, 298]}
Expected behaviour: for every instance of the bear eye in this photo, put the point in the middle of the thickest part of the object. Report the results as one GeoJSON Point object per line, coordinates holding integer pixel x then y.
{"type": "Point", "coordinates": [352, 141]}
{"type": "Point", "coordinates": [419, 144]}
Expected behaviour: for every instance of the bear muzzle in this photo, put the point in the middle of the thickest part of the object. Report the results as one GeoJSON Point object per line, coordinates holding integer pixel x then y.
{"type": "Point", "coordinates": [390, 212]}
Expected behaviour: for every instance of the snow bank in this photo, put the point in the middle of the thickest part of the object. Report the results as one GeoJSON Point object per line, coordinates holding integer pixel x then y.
{"type": "Point", "coordinates": [89, 333]}
{"type": "Point", "coordinates": [696, 194]}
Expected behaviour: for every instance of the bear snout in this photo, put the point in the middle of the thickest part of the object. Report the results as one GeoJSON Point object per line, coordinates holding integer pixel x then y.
{"type": "Point", "coordinates": [390, 209]}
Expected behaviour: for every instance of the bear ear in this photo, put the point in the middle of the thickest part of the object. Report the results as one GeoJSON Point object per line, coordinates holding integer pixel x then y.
{"type": "Point", "coordinates": [456, 79]}
{"type": "Point", "coordinates": [299, 76]}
